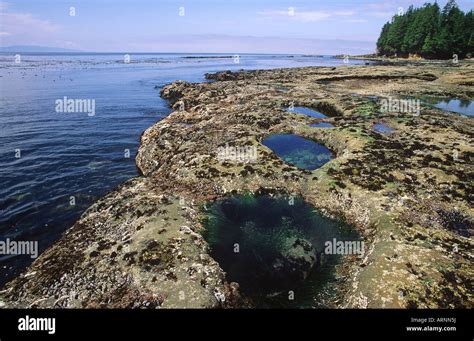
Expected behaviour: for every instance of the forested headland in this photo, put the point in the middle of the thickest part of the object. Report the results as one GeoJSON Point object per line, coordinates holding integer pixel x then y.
{"type": "Point", "coordinates": [429, 32]}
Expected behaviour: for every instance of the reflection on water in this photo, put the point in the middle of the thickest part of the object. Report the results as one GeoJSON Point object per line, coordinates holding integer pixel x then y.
{"type": "Point", "coordinates": [460, 106]}
{"type": "Point", "coordinates": [322, 125]}
{"type": "Point", "coordinates": [307, 111]}
{"type": "Point", "coordinates": [382, 128]}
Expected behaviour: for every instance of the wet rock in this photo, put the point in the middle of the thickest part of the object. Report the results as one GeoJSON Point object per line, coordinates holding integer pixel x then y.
{"type": "Point", "coordinates": [298, 256]}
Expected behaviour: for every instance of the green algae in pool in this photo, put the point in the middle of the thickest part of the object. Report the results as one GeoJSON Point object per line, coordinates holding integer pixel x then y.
{"type": "Point", "coordinates": [298, 151]}
{"type": "Point", "coordinates": [274, 247]}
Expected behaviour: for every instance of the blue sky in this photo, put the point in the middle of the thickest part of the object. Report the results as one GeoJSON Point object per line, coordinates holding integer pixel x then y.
{"type": "Point", "coordinates": [230, 26]}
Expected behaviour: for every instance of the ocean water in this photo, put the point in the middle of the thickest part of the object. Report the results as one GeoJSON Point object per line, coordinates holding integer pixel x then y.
{"type": "Point", "coordinates": [53, 165]}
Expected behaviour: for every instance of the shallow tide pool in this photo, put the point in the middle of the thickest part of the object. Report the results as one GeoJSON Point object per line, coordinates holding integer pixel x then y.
{"type": "Point", "coordinates": [382, 128]}
{"type": "Point", "coordinates": [298, 151]}
{"type": "Point", "coordinates": [322, 125]}
{"type": "Point", "coordinates": [464, 107]}
{"type": "Point", "coordinates": [307, 111]}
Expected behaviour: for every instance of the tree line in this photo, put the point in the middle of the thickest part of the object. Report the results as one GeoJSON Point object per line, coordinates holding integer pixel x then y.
{"type": "Point", "coordinates": [429, 32]}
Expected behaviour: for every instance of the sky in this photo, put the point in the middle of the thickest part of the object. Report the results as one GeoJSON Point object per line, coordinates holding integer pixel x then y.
{"type": "Point", "coordinates": [225, 26]}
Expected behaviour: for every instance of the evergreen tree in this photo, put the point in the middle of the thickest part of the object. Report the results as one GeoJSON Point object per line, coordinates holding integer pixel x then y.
{"type": "Point", "coordinates": [395, 35]}
{"type": "Point", "coordinates": [382, 41]}
{"type": "Point", "coordinates": [469, 34]}
{"type": "Point", "coordinates": [412, 37]}
{"type": "Point", "coordinates": [451, 35]}
{"type": "Point", "coordinates": [428, 48]}
{"type": "Point", "coordinates": [429, 32]}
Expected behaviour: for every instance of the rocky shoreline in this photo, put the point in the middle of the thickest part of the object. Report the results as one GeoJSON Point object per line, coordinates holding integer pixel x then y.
{"type": "Point", "coordinates": [409, 194]}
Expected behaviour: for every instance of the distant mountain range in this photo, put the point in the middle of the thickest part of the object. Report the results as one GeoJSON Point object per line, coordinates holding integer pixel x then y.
{"type": "Point", "coordinates": [33, 48]}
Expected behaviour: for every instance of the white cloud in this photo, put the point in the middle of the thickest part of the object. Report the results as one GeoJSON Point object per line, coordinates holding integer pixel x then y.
{"type": "Point", "coordinates": [305, 16]}
{"type": "Point", "coordinates": [311, 16]}
{"type": "Point", "coordinates": [344, 13]}
{"type": "Point", "coordinates": [381, 14]}
{"type": "Point", "coordinates": [385, 9]}
{"type": "Point", "coordinates": [25, 24]}
{"type": "Point", "coordinates": [5, 34]}
{"type": "Point", "coordinates": [247, 44]}
{"type": "Point", "coordinates": [384, 6]}
{"type": "Point", "coordinates": [3, 5]}
{"type": "Point", "coordinates": [357, 21]}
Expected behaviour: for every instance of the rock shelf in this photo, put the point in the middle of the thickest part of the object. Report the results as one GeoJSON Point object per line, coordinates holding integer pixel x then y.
{"type": "Point", "coordinates": [408, 193]}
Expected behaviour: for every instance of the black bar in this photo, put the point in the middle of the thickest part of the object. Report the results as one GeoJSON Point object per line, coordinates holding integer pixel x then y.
{"type": "Point", "coordinates": [310, 324]}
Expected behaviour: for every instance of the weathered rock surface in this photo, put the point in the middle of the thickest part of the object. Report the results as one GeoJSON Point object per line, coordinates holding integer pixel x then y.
{"type": "Point", "coordinates": [407, 195]}
{"type": "Point", "coordinates": [298, 257]}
